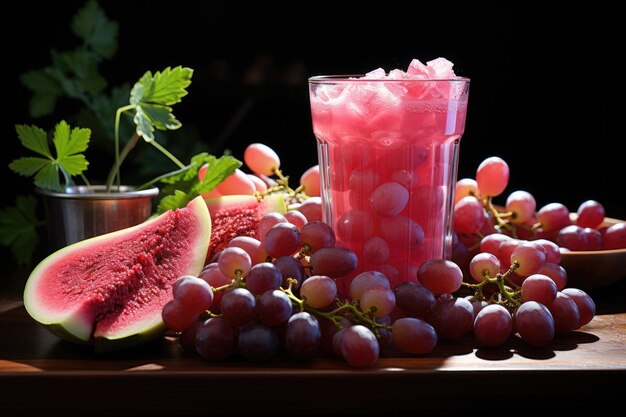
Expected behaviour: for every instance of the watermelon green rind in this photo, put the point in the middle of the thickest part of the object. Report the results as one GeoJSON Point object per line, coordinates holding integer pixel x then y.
{"type": "Point", "coordinates": [75, 324]}
{"type": "Point", "coordinates": [103, 344]}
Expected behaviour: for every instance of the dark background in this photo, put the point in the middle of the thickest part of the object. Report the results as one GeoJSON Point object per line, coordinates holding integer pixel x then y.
{"type": "Point", "coordinates": [542, 80]}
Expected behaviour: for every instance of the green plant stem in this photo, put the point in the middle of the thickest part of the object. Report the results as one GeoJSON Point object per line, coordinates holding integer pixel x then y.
{"type": "Point", "coordinates": [167, 153]}
{"type": "Point", "coordinates": [160, 177]}
{"type": "Point", "coordinates": [119, 159]}
{"type": "Point", "coordinates": [68, 177]}
{"type": "Point", "coordinates": [85, 180]}
{"type": "Point", "coordinates": [115, 171]}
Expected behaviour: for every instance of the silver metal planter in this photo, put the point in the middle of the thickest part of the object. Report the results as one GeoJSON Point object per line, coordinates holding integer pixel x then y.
{"type": "Point", "coordinates": [82, 212]}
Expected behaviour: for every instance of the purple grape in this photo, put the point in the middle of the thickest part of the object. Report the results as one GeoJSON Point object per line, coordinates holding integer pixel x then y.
{"type": "Point", "coordinates": [263, 277]}
{"type": "Point", "coordinates": [257, 343]}
{"type": "Point", "coordinates": [274, 308]}
{"type": "Point", "coordinates": [215, 339]}
{"type": "Point", "coordinates": [238, 307]}
{"type": "Point", "coordinates": [303, 335]}
{"type": "Point", "coordinates": [289, 267]}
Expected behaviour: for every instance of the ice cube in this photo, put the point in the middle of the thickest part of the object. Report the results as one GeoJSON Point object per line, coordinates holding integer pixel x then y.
{"type": "Point", "coordinates": [377, 74]}
{"type": "Point", "coordinates": [419, 71]}
{"type": "Point", "coordinates": [442, 68]}
{"type": "Point", "coordinates": [397, 74]}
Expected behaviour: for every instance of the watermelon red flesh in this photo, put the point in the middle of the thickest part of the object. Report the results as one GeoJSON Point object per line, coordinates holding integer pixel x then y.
{"type": "Point", "coordinates": [114, 286]}
{"type": "Point", "coordinates": [238, 215]}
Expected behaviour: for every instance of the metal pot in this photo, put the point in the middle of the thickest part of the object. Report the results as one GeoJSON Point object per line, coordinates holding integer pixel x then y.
{"type": "Point", "coordinates": [86, 211]}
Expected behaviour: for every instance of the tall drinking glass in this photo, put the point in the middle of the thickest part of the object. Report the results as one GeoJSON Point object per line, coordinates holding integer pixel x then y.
{"type": "Point", "coordinates": [388, 153]}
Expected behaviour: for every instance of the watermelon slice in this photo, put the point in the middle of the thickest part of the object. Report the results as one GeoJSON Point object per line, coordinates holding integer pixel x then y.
{"type": "Point", "coordinates": [238, 215]}
{"type": "Point", "coordinates": [109, 290]}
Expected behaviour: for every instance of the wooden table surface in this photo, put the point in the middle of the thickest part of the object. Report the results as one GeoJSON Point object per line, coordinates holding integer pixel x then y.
{"type": "Point", "coordinates": [39, 373]}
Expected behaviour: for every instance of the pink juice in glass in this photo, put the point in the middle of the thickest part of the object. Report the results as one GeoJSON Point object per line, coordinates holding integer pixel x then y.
{"type": "Point", "coordinates": [388, 149]}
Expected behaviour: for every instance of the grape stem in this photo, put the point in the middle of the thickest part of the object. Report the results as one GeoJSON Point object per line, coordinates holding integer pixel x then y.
{"type": "Point", "coordinates": [507, 289]}
{"type": "Point", "coordinates": [500, 217]}
{"type": "Point", "coordinates": [344, 310]}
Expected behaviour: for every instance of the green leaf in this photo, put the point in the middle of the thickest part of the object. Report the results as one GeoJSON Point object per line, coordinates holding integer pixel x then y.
{"type": "Point", "coordinates": [92, 26]}
{"type": "Point", "coordinates": [217, 172]}
{"type": "Point", "coordinates": [18, 228]}
{"type": "Point", "coordinates": [34, 138]}
{"type": "Point", "coordinates": [75, 73]}
{"type": "Point", "coordinates": [184, 185]}
{"type": "Point", "coordinates": [42, 104]}
{"type": "Point", "coordinates": [41, 82]}
{"type": "Point", "coordinates": [161, 116]}
{"type": "Point", "coordinates": [173, 201]}
{"type": "Point", "coordinates": [152, 97]}
{"type": "Point", "coordinates": [48, 177]}
{"type": "Point", "coordinates": [27, 205]}
{"type": "Point", "coordinates": [93, 84]}
{"type": "Point", "coordinates": [166, 87]}
{"type": "Point", "coordinates": [145, 128]}
{"type": "Point", "coordinates": [28, 165]}
{"type": "Point", "coordinates": [68, 144]}
{"type": "Point", "coordinates": [79, 62]}
{"type": "Point", "coordinates": [46, 90]}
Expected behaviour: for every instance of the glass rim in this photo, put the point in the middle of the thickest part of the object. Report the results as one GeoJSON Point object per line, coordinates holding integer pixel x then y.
{"type": "Point", "coordinates": [352, 78]}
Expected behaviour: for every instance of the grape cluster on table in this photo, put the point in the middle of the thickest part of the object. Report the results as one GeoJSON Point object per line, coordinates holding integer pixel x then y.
{"type": "Point", "coordinates": [261, 298]}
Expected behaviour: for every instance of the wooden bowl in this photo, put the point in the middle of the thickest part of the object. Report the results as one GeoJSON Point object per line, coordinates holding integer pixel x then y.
{"type": "Point", "coordinates": [595, 269]}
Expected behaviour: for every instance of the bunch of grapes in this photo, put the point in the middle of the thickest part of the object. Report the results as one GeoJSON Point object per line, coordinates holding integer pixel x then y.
{"type": "Point", "coordinates": [258, 297]}
{"type": "Point", "coordinates": [475, 215]}
{"type": "Point", "coordinates": [517, 283]}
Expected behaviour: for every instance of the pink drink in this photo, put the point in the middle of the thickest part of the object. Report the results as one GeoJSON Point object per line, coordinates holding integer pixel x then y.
{"type": "Point", "coordinates": [388, 150]}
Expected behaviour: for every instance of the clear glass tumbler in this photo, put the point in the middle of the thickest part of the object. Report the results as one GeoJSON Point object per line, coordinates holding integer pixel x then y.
{"type": "Point", "coordinates": [388, 153]}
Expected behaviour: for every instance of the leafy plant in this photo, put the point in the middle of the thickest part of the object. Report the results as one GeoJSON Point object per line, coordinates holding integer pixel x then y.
{"type": "Point", "coordinates": [75, 74]}
{"type": "Point", "coordinates": [151, 101]}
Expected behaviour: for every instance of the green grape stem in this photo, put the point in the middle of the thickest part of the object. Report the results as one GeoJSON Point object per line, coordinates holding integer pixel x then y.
{"type": "Point", "coordinates": [507, 290]}
{"type": "Point", "coordinates": [344, 309]}
{"type": "Point", "coordinates": [502, 222]}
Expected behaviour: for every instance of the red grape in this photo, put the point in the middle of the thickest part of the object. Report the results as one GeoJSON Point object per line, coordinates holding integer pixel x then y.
{"type": "Point", "coordinates": [493, 325]}
{"type": "Point", "coordinates": [359, 346]}
{"type": "Point", "coordinates": [311, 181]}
{"type": "Point", "coordinates": [468, 215]}
{"type": "Point", "coordinates": [215, 339]}
{"type": "Point", "coordinates": [414, 335]}
{"type": "Point", "coordinates": [534, 323]}
{"type": "Point", "coordinates": [319, 291]}
{"type": "Point", "coordinates": [539, 288]}
{"type": "Point", "coordinates": [261, 159]}
{"type": "Point", "coordinates": [565, 313]}
{"type": "Point", "coordinates": [522, 204]}
{"type": "Point", "coordinates": [414, 300]}
{"type": "Point", "coordinates": [492, 176]}
{"type": "Point", "coordinates": [440, 276]}
{"type": "Point", "coordinates": [590, 214]}
{"type": "Point", "coordinates": [615, 237]}
{"type": "Point", "coordinates": [585, 304]}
